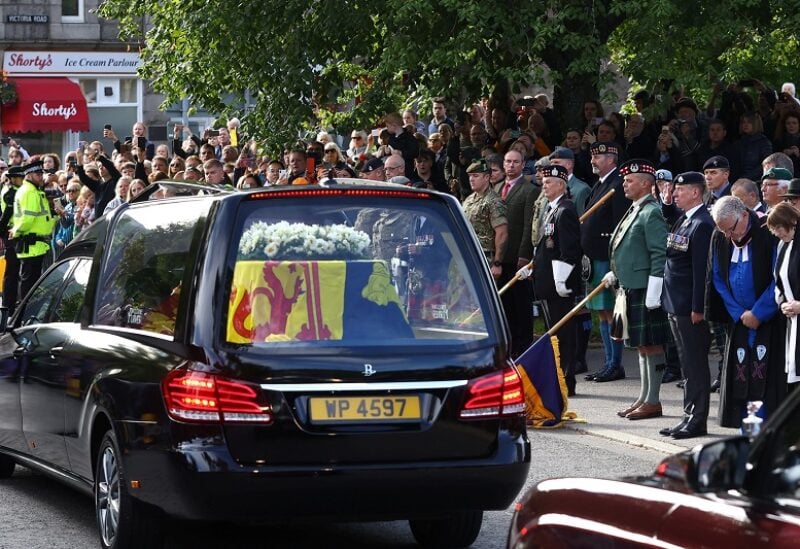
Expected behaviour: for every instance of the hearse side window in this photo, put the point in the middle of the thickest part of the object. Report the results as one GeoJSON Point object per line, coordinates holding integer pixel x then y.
{"type": "Point", "coordinates": [148, 254]}
{"type": "Point", "coordinates": [68, 307]}
{"type": "Point", "coordinates": [43, 295]}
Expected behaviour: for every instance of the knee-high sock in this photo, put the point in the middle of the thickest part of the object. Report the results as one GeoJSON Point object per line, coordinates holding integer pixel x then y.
{"type": "Point", "coordinates": [605, 335]}
{"type": "Point", "coordinates": [655, 371]}
{"type": "Point", "coordinates": [616, 353]}
{"type": "Point", "coordinates": [643, 377]}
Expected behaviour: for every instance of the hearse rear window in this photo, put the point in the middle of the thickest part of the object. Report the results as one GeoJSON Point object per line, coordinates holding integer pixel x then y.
{"type": "Point", "coordinates": [149, 252]}
{"type": "Point", "coordinates": [350, 270]}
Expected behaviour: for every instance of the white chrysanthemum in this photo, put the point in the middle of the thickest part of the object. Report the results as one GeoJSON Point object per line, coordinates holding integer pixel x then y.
{"type": "Point", "coordinates": [271, 249]}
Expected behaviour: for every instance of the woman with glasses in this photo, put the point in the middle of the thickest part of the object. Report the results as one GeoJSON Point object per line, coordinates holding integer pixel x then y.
{"type": "Point", "coordinates": [333, 163]}
{"type": "Point", "coordinates": [358, 146]}
{"type": "Point", "coordinates": [177, 164]}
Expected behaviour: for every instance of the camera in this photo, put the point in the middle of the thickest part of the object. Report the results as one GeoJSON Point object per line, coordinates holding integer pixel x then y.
{"type": "Point", "coordinates": [52, 194]}
{"type": "Point", "coordinates": [526, 102]}
{"type": "Point", "coordinates": [213, 133]}
{"type": "Point", "coordinates": [107, 127]}
{"type": "Point", "coordinates": [141, 142]}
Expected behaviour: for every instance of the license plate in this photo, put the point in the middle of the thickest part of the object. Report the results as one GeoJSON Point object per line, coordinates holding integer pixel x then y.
{"type": "Point", "coordinates": [383, 409]}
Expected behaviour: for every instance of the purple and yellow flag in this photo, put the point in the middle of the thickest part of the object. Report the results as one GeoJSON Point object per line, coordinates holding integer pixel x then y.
{"type": "Point", "coordinates": [545, 389]}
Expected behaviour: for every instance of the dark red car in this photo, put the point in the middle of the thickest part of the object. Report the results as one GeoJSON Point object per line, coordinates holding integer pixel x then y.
{"type": "Point", "coordinates": [728, 493]}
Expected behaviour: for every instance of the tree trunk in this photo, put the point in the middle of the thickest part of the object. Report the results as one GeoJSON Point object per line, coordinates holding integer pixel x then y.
{"type": "Point", "coordinates": [569, 95]}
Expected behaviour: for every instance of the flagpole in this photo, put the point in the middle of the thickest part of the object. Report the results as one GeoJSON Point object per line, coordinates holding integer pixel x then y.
{"type": "Point", "coordinates": [576, 309]}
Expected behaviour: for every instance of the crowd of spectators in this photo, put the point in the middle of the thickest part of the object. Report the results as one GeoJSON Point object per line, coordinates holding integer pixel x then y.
{"type": "Point", "coordinates": [752, 127]}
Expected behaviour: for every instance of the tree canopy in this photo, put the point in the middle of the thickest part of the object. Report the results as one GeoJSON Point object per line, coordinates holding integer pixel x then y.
{"type": "Point", "coordinates": [298, 62]}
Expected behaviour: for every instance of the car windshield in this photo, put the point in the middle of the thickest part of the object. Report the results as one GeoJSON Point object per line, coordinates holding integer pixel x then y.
{"type": "Point", "coordinates": [359, 271]}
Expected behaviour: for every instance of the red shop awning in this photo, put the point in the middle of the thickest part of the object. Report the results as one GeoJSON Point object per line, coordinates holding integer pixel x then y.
{"type": "Point", "coordinates": [45, 105]}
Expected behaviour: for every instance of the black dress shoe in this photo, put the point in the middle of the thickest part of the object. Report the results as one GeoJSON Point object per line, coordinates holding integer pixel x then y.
{"type": "Point", "coordinates": [715, 386]}
{"type": "Point", "coordinates": [690, 431]}
{"type": "Point", "coordinates": [611, 374]}
{"type": "Point", "coordinates": [581, 368]}
{"type": "Point", "coordinates": [590, 377]}
{"type": "Point", "coordinates": [670, 376]}
{"type": "Point", "coordinates": [668, 431]}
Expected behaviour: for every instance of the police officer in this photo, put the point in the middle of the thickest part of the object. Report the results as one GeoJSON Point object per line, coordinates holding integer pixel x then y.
{"type": "Point", "coordinates": [487, 213]}
{"type": "Point", "coordinates": [15, 174]}
{"type": "Point", "coordinates": [33, 224]}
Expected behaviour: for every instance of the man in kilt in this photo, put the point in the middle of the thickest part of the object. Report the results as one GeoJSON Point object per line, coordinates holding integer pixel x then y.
{"type": "Point", "coordinates": [638, 252]}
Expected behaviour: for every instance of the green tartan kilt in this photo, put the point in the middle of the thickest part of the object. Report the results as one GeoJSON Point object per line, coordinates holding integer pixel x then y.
{"type": "Point", "coordinates": [645, 326]}
{"type": "Point", "coordinates": [605, 300]}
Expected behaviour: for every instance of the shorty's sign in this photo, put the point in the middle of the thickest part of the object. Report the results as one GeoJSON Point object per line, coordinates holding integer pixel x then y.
{"type": "Point", "coordinates": [43, 110]}
{"type": "Point", "coordinates": [46, 104]}
{"type": "Point", "coordinates": [51, 63]}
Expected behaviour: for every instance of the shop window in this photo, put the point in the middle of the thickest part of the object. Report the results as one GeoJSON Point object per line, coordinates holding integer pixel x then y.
{"type": "Point", "coordinates": [72, 10]}
{"type": "Point", "coordinates": [89, 88]}
{"type": "Point", "coordinates": [128, 90]}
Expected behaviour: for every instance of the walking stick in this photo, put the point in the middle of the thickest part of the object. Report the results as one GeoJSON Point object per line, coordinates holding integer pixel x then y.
{"type": "Point", "coordinates": [576, 309]}
{"type": "Point", "coordinates": [499, 292]}
{"type": "Point", "coordinates": [513, 280]}
{"type": "Point", "coordinates": [588, 213]}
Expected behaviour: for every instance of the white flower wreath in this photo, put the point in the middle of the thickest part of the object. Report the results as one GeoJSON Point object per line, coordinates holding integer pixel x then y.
{"type": "Point", "coordinates": [288, 241]}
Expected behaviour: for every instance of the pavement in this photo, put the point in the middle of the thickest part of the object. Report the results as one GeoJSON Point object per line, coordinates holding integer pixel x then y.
{"type": "Point", "coordinates": [596, 405]}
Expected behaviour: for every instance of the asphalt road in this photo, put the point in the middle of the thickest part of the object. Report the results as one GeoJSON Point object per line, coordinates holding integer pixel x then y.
{"type": "Point", "coordinates": [38, 513]}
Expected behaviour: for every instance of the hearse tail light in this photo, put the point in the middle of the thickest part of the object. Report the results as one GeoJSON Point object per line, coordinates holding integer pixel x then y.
{"type": "Point", "coordinates": [201, 397]}
{"type": "Point", "coordinates": [493, 395]}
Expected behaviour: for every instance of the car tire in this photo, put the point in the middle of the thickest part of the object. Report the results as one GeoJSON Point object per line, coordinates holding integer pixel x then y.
{"type": "Point", "coordinates": [456, 530]}
{"type": "Point", "coordinates": [123, 522]}
{"type": "Point", "coordinates": [7, 466]}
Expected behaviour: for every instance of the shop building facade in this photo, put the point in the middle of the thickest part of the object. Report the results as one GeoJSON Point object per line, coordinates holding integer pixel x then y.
{"type": "Point", "coordinates": [73, 76]}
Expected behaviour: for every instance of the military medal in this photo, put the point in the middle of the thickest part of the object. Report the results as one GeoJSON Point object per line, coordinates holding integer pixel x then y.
{"type": "Point", "coordinates": [549, 244]}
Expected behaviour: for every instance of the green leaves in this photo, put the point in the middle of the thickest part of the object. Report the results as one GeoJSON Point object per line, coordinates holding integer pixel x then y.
{"type": "Point", "coordinates": [344, 63]}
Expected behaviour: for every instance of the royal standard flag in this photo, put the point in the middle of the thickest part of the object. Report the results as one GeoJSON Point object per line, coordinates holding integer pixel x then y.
{"type": "Point", "coordinates": [545, 389]}
{"type": "Point", "coordinates": [313, 300]}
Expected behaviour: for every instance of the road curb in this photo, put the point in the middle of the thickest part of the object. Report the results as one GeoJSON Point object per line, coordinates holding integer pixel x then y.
{"type": "Point", "coordinates": [627, 438]}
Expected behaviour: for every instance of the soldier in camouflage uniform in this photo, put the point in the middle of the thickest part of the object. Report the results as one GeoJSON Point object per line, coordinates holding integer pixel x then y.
{"type": "Point", "coordinates": [487, 213]}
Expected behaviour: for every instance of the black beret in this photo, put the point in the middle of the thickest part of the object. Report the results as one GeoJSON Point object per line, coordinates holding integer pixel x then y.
{"type": "Point", "coordinates": [717, 162]}
{"type": "Point", "coordinates": [690, 178]}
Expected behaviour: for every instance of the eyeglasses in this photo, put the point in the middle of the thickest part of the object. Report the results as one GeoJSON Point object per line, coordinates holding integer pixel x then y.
{"type": "Point", "coordinates": [729, 232]}
{"type": "Point", "coordinates": [356, 138]}
{"type": "Point", "coordinates": [329, 151]}
{"type": "Point", "coordinates": [72, 190]}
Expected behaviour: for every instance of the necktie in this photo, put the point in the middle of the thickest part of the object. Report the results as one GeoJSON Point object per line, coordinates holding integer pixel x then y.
{"type": "Point", "coordinates": [506, 188]}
